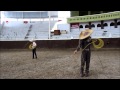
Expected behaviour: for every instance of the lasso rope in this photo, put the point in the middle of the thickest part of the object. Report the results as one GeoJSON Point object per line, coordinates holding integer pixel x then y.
{"type": "Point", "coordinates": [97, 46]}
{"type": "Point", "coordinates": [30, 46]}
{"type": "Point", "coordinates": [100, 45]}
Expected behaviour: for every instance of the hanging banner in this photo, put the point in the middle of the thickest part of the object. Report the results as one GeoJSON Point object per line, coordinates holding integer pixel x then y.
{"type": "Point", "coordinates": [74, 25]}
{"type": "Point", "coordinates": [6, 21]}
{"type": "Point", "coordinates": [25, 22]}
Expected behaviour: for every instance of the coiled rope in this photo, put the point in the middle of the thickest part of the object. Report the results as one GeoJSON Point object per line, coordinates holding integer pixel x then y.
{"type": "Point", "coordinates": [30, 46]}
{"type": "Point", "coordinates": [97, 46]}
{"type": "Point", "coordinates": [100, 44]}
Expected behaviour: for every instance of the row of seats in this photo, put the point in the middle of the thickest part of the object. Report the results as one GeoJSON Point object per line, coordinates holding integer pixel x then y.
{"type": "Point", "coordinates": [19, 29]}
{"type": "Point", "coordinates": [13, 30]}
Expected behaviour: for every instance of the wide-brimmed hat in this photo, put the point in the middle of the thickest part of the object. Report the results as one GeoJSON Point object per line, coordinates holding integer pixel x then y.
{"type": "Point", "coordinates": [85, 33]}
{"type": "Point", "coordinates": [32, 40]}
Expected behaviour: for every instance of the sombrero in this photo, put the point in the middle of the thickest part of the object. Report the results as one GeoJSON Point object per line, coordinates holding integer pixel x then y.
{"type": "Point", "coordinates": [32, 40]}
{"type": "Point", "coordinates": [86, 33]}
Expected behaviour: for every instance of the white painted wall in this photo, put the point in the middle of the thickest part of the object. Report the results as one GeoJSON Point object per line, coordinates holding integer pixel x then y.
{"type": "Point", "coordinates": [64, 14]}
{"type": "Point", "coordinates": [40, 30]}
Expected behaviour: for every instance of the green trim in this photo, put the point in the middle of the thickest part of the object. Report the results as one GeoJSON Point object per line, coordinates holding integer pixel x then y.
{"type": "Point", "coordinates": [96, 17]}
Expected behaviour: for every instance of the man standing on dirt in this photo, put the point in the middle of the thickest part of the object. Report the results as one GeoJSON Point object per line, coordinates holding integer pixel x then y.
{"type": "Point", "coordinates": [84, 43]}
{"type": "Point", "coordinates": [34, 45]}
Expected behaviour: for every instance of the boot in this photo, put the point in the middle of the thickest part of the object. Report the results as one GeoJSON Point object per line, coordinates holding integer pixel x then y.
{"type": "Point", "coordinates": [87, 74]}
{"type": "Point", "coordinates": [82, 73]}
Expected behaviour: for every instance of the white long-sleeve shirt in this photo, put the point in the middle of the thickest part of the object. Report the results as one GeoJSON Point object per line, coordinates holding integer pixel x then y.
{"type": "Point", "coordinates": [34, 45]}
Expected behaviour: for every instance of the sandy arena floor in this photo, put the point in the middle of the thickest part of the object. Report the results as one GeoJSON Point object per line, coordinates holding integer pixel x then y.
{"type": "Point", "coordinates": [57, 64]}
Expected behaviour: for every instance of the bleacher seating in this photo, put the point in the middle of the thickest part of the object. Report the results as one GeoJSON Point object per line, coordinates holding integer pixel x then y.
{"type": "Point", "coordinates": [18, 30]}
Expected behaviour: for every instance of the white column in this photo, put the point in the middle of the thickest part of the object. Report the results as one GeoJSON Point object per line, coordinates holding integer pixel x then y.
{"type": "Point", "coordinates": [22, 15]}
{"type": "Point", "coordinates": [40, 15]}
{"type": "Point", "coordinates": [101, 11]}
{"type": "Point", "coordinates": [49, 24]}
{"type": "Point", "coordinates": [2, 16]}
{"type": "Point", "coordinates": [89, 12]}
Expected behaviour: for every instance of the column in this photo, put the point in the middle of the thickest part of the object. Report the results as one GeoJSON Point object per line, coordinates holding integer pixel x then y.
{"type": "Point", "coordinates": [89, 12]}
{"type": "Point", "coordinates": [49, 25]}
{"type": "Point", "coordinates": [89, 25]}
{"type": "Point", "coordinates": [102, 26]}
{"type": "Point", "coordinates": [115, 23]}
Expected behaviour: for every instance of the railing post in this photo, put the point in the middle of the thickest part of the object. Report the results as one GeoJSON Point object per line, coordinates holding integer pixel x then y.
{"type": "Point", "coordinates": [89, 25]}
{"type": "Point", "coordinates": [115, 23]}
{"type": "Point", "coordinates": [89, 12]}
{"type": "Point", "coordinates": [49, 26]}
{"type": "Point", "coordinates": [102, 26]}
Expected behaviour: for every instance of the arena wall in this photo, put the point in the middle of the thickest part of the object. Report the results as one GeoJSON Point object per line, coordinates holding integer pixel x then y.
{"type": "Point", "coordinates": [108, 43]}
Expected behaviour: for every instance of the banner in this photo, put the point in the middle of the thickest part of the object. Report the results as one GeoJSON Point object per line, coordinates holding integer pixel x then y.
{"type": "Point", "coordinates": [74, 25]}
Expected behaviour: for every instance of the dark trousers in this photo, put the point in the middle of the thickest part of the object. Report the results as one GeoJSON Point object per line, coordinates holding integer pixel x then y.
{"type": "Point", "coordinates": [34, 52]}
{"type": "Point", "coordinates": [85, 59]}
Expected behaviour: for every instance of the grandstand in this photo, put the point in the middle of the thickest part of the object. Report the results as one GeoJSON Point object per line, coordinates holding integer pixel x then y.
{"type": "Point", "coordinates": [18, 30]}
{"type": "Point", "coordinates": [23, 26]}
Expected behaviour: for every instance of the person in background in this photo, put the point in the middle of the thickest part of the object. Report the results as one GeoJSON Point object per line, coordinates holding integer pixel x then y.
{"type": "Point", "coordinates": [34, 45]}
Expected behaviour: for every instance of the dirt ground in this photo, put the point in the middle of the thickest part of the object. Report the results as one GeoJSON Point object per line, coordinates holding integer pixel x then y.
{"type": "Point", "coordinates": [57, 64]}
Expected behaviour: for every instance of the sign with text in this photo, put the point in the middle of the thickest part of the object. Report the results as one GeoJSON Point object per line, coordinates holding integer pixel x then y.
{"type": "Point", "coordinates": [74, 25]}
